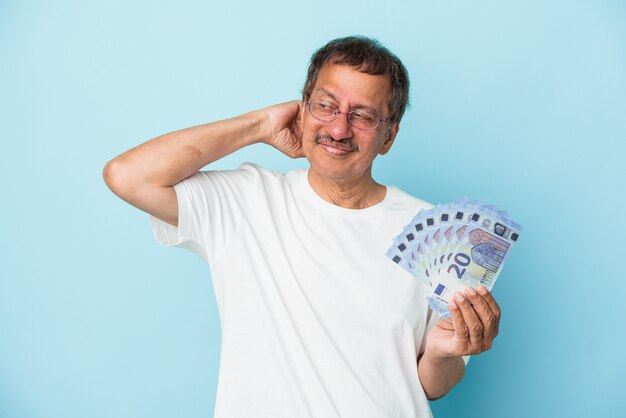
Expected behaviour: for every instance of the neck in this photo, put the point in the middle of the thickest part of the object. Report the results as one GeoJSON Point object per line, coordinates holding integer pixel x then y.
{"type": "Point", "coordinates": [352, 194]}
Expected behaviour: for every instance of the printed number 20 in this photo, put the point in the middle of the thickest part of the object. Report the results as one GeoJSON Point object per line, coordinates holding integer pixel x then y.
{"type": "Point", "coordinates": [463, 260]}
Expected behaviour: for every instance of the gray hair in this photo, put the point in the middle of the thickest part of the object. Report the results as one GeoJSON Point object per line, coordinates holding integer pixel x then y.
{"type": "Point", "coordinates": [367, 56]}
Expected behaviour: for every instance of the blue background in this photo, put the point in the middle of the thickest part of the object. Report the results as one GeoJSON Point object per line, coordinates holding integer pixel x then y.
{"type": "Point", "coordinates": [518, 103]}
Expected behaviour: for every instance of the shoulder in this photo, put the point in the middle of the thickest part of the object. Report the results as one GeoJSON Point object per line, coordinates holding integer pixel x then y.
{"type": "Point", "coordinates": [249, 179]}
{"type": "Point", "coordinates": [246, 173]}
{"type": "Point", "coordinates": [255, 170]}
{"type": "Point", "coordinates": [403, 201]}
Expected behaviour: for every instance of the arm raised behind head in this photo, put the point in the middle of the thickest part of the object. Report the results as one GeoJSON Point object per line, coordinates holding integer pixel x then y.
{"type": "Point", "coordinates": [145, 176]}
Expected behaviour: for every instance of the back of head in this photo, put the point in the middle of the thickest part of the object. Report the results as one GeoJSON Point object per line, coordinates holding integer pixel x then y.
{"type": "Point", "coordinates": [368, 56]}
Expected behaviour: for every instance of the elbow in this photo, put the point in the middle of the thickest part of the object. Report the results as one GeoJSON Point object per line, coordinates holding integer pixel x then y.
{"type": "Point", "coordinates": [116, 177]}
{"type": "Point", "coordinates": [110, 173]}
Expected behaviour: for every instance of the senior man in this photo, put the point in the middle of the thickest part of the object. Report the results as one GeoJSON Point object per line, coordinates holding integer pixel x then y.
{"type": "Point", "coordinates": [316, 321]}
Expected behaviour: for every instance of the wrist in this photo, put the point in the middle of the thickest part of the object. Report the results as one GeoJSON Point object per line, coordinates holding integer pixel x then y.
{"type": "Point", "coordinates": [439, 374]}
{"type": "Point", "coordinates": [261, 125]}
{"type": "Point", "coordinates": [439, 359]}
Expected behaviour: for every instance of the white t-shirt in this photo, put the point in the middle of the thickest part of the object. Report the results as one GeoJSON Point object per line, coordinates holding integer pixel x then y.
{"type": "Point", "coordinates": [316, 320]}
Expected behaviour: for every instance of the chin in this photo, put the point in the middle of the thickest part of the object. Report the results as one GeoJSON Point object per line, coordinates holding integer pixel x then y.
{"type": "Point", "coordinates": [336, 167]}
{"type": "Point", "coordinates": [335, 170]}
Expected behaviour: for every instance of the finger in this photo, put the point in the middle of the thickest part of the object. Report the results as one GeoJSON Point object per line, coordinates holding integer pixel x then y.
{"type": "Point", "coordinates": [472, 322]}
{"type": "Point", "coordinates": [458, 324]}
{"type": "Point", "coordinates": [493, 305]}
{"type": "Point", "coordinates": [486, 316]}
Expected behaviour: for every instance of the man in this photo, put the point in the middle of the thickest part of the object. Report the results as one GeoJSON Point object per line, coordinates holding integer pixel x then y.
{"type": "Point", "coordinates": [316, 321]}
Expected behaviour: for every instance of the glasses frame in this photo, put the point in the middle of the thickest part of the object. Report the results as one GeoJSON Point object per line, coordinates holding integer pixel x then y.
{"type": "Point", "coordinates": [349, 114]}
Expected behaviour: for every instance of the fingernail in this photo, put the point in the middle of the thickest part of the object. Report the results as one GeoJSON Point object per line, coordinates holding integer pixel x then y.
{"type": "Point", "coordinates": [453, 304]}
{"type": "Point", "coordinates": [471, 291]}
{"type": "Point", "coordinates": [482, 290]}
{"type": "Point", "coordinates": [459, 297]}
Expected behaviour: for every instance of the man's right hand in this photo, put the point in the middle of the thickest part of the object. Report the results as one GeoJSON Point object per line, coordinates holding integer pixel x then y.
{"type": "Point", "coordinates": [283, 127]}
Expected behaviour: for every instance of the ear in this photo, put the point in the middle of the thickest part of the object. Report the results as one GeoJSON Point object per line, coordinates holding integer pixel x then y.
{"type": "Point", "coordinates": [300, 120]}
{"type": "Point", "coordinates": [391, 136]}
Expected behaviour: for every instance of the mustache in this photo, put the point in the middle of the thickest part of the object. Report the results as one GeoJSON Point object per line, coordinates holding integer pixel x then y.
{"type": "Point", "coordinates": [343, 144]}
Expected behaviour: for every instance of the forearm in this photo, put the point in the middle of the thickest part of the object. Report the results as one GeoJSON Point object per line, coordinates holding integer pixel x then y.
{"type": "Point", "coordinates": [170, 158]}
{"type": "Point", "coordinates": [439, 375]}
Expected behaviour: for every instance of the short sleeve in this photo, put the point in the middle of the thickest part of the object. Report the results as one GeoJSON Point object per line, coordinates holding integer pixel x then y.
{"type": "Point", "coordinates": [431, 320]}
{"type": "Point", "coordinates": [210, 210]}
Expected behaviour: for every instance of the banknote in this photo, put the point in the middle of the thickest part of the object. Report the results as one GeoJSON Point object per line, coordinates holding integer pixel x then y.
{"type": "Point", "coordinates": [476, 260]}
{"type": "Point", "coordinates": [453, 246]}
{"type": "Point", "coordinates": [407, 251]}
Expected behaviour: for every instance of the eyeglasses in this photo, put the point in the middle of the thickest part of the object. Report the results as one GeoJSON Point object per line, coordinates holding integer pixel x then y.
{"type": "Point", "coordinates": [361, 119]}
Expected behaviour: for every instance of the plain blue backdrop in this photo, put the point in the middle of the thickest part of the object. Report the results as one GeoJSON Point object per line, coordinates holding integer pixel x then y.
{"type": "Point", "coordinates": [517, 103]}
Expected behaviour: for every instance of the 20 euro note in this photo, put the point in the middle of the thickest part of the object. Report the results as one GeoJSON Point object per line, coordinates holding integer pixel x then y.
{"type": "Point", "coordinates": [477, 258]}
{"type": "Point", "coordinates": [407, 249]}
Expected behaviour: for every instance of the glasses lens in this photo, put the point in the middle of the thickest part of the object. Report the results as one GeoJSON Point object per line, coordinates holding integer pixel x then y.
{"type": "Point", "coordinates": [323, 111]}
{"type": "Point", "coordinates": [359, 119]}
{"type": "Point", "coordinates": [363, 120]}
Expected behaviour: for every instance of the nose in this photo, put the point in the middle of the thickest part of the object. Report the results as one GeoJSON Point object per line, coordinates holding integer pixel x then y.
{"type": "Point", "coordinates": [340, 128]}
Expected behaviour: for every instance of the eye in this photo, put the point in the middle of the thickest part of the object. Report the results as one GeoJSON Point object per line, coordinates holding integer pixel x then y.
{"type": "Point", "coordinates": [326, 107]}
{"type": "Point", "coordinates": [363, 117]}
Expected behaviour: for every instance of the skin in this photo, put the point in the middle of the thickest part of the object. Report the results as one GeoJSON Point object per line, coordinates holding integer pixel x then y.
{"type": "Point", "coordinates": [341, 158]}
{"type": "Point", "coordinates": [339, 176]}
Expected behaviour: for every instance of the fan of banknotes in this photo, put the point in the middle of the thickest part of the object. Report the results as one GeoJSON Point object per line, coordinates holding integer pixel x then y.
{"type": "Point", "coordinates": [453, 246]}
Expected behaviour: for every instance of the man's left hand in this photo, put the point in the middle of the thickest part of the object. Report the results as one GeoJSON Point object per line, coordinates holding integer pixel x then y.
{"type": "Point", "coordinates": [471, 328]}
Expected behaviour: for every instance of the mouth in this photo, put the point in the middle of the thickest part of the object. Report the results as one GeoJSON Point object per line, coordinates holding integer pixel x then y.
{"type": "Point", "coordinates": [332, 146]}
